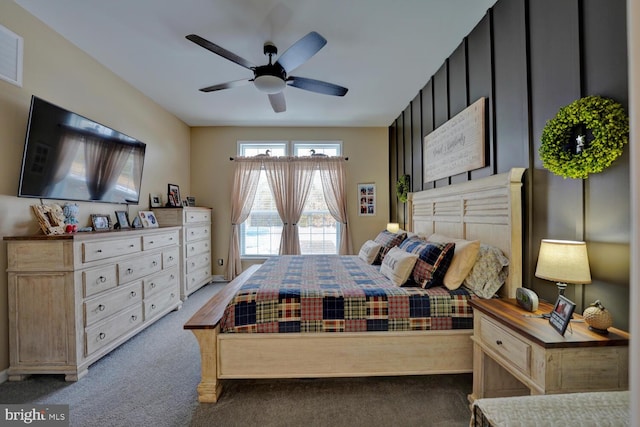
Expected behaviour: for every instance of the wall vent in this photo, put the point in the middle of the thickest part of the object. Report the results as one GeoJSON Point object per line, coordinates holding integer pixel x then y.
{"type": "Point", "coordinates": [10, 56]}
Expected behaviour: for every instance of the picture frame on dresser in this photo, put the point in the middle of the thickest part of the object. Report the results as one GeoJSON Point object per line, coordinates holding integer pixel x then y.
{"type": "Point", "coordinates": [148, 219]}
{"type": "Point", "coordinates": [101, 222]}
{"type": "Point", "coordinates": [173, 193]}
{"type": "Point", "coordinates": [561, 314]}
{"type": "Point", "coordinates": [122, 219]}
{"type": "Point", "coordinates": [155, 200]}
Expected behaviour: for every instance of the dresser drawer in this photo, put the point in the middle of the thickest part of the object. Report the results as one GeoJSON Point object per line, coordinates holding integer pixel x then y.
{"type": "Point", "coordinates": [102, 334]}
{"type": "Point", "coordinates": [197, 216]}
{"type": "Point", "coordinates": [170, 257]}
{"type": "Point", "coordinates": [159, 282]}
{"type": "Point", "coordinates": [196, 278]}
{"type": "Point", "coordinates": [515, 351]}
{"type": "Point", "coordinates": [94, 251]}
{"type": "Point", "coordinates": [99, 279]}
{"type": "Point", "coordinates": [196, 233]}
{"type": "Point", "coordinates": [159, 240]}
{"type": "Point", "coordinates": [159, 303]}
{"type": "Point", "coordinates": [137, 268]}
{"type": "Point", "coordinates": [103, 306]}
{"type": "Point", "coordinates": [197, 248]}
{"type": "Point", "coordinates": [197, 262]}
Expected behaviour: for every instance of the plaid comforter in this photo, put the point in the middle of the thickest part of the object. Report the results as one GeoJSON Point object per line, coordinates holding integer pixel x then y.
{"type": "Point", "coordinates": [333, 293]}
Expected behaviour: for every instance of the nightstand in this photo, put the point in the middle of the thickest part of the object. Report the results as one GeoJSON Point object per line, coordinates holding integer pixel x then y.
{"type": "Point", "coordinates": [517, 354]}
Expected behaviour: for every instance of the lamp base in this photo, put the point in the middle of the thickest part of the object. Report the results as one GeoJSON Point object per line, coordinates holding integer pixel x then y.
{"type": "Point", "coordinates": [599, 331]}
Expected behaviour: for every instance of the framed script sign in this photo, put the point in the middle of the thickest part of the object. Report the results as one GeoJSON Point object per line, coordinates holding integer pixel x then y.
{"type": "Point", "coordinates": [458, 145]}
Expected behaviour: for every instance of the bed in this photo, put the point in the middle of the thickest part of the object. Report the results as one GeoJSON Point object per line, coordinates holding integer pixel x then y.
{"type": "Point", "coordinates": [487, 209]}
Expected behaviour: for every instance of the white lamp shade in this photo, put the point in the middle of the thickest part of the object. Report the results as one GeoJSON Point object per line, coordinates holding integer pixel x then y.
{"type": "Point", "coordinates": [393, 227]}
{"type": "Point", "coordinates": [269, 84]}
{"type": "Point", "coordinates": [563, 261]}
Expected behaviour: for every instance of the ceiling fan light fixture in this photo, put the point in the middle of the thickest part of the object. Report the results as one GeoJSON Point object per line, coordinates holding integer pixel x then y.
{"type": "Point", "coordinates": [269, 84]}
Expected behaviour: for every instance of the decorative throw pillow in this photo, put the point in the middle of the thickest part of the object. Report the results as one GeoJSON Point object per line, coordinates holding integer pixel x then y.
{"type": "Point", "coordinates": [388, 240]}
{"type": "Point", "coordinates": [488, 273]}
{"type": "Point", "coordinates": [433, 260]}
{"type": "Point", "coordinates": [464, 257]}
{"type": "Point", "coordinates": [369, 251]}
{"type": "Point", "coordinates": [397, 265]}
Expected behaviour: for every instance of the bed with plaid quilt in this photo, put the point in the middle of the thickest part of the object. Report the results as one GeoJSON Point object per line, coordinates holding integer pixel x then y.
{"type": "Point", "coordinates": [339, 293]}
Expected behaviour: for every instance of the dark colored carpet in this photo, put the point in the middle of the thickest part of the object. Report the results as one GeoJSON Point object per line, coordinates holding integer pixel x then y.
{"type": "Point", "coordinates": [151, 381]}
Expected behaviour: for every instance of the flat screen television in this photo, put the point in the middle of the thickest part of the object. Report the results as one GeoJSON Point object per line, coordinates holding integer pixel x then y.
{"type": "Point", "coordinates": [69, 157]}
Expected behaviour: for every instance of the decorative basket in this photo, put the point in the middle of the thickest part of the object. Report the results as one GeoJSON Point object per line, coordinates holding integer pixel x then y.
{"type": "Point", "coordinates": [597, 317]}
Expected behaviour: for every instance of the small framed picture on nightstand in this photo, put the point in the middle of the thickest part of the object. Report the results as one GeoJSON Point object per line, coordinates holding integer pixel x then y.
{"type": "Point", "coordinates": [561, 314]}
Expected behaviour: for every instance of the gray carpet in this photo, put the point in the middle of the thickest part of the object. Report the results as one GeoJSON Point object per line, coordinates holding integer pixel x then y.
{"type": "Point", "coordinates": [151, 381]}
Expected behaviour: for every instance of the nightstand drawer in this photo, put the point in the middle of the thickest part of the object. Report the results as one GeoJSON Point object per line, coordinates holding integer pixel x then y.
{"type": "Point", "coordinates": [515, 351]}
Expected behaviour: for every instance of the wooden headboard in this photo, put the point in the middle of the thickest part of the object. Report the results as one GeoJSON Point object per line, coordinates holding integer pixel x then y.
{"type": "Point", "coordinates": [486, 209]}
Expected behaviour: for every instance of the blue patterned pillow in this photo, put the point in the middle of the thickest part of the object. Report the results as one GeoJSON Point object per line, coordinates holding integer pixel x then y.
{"type": "Point", "coordinates": [433, 260]}
{"type": "Point", "coordinates": [388, 240]}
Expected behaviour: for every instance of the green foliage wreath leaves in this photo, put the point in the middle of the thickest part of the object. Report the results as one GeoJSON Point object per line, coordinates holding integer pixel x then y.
{"type": "Point", "coordinates": [604, 118]}
{"type": "Point", "coordinates": [402, 188]}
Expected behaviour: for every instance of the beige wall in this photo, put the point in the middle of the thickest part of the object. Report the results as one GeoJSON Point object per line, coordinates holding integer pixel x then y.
{"type": "Point", "coordinates": [212, 173]}
{"type": "Point", "coordinates": [58, 72]}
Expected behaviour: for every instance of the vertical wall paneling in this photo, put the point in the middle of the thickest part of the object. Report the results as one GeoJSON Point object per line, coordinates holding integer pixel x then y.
{"type": "Point", "coordinates": [458, 95]}
{"type": "Point", "coordinates": [555, 82]}
{"type": "Point", "coordinates": [408, 162]}
{"type": "Point", "coordinates": [479, 63]}
{"type": "Point", "coordinates": [427, 119]}
{"type": "Point", "coordinates": [416, 143]}
{"type": "Point", "coordinates": [441, 104]}
{"type": "Point", "coordinates": [393, 169]}
{"type": "Point", "coordinates": [604, 73]}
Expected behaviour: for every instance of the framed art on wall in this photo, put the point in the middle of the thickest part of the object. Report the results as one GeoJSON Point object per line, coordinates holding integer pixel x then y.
{"type": "Point", "coordinates": [366, 199]}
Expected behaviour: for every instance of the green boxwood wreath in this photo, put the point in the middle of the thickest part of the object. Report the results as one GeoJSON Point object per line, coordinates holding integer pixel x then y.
{"type": "Point", "coordinates": [604, 118]}
{"type": "Point", "coordinates": [402, 188]}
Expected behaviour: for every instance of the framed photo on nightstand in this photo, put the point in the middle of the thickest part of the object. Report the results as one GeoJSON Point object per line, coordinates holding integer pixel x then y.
{"type": "Point", "coordinates": [561, 314]}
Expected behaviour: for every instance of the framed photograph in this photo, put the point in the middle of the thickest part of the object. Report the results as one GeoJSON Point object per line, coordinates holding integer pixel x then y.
{"type": "Point", "coordinates": [366, 199]}
{"type": "Point", "coordinates": [185, 203]}
{"type": "Point", "coordinates": [173, 193]}
{"type": "Point", "coordinates": [136, 223]}
{"type": "Point", "coordinates": [101, 222]}
{"type": "Point", "coordinates": [191, 201]}
{"type": "Point", "coordinates": [122, 219]}
{"type": "Point", "coordinates": [148, 219]}
{"type": "Point", "coordinates": [561, 314]}
{"type": "Point", "coordinates": [155, 200]}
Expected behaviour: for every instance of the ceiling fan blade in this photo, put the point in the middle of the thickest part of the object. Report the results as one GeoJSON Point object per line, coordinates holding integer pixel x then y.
{"type": "Point", "coordinates": [220, 51]}
{"type": "Point", "coordinates": [317, 86]}
{"type": "Point", "coordinates": [277, 102]}
{"type": "Point", "coordinates": [226, 85]}
{"type": "Point", "coordinates": [301, 51]}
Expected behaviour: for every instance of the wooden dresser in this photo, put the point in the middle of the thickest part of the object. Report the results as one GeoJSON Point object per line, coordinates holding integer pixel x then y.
{"type": "Point", "coordinates": [518, 353]}
{"type": "Point", "coordinates": [195, 240]}
{"type": "Point", "coordinates": [75, 297]}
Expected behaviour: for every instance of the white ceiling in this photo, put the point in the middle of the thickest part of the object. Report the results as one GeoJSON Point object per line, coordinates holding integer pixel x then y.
{"type": "Point", "coordinates": [384, 51]}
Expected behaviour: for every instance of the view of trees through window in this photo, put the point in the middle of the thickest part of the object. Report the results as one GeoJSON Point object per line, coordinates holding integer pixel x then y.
{"type": "Point", "coordinates": [261, 232]}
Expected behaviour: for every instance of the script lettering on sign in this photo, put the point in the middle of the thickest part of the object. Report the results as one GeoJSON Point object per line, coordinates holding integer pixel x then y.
{"type": "Point", "coordinates": [457, 146]}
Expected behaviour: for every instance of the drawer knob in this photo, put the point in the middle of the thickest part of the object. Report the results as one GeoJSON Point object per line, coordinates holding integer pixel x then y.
{"type": "Point", "coordinates": [134, 318]}
{"type": "Point", "coordinates": [151, 242]}
{"type": "Point", "coordinates": [102, 335]}
{"type": "Point", "coordinates": [154, 263]}
{"type": "Point", "coordinates": [153, 285]}
{"type": "Point", "coordinates": [499, 342]}
{"type": "Point", "coordinates": [173, 295]}
{"type": "Point", "coordinates": [99, 250]}
{"type": "Point", "coordinates": [153, 306]}
{"type": "Point", "coordinates": [172, 277]}
{"type": "Point", "coordinates": [131, 246]}
{"type": "Point", "coordinates": [170, 258]}
{"type": "Point", "coordinates": [101, 279]}
{"type": "Point", "coordinates": [133, 294]}
{"type": "Point", "coordinates": [101, 307]}
{"type": "Point", "coordinates": [129, 270]}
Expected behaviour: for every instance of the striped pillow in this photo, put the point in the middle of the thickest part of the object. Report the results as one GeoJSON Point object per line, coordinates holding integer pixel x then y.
{"type": "Point", "coordinates": [432, 263]}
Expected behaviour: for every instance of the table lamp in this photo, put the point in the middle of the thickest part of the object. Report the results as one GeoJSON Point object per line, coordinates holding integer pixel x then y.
{"type": "Point", "coordinates": [393, 227]}
{"type": "Point", "coordinates": [563, 261]}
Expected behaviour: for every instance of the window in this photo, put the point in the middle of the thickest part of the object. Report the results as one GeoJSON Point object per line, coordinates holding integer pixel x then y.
{"type": "Point", "coordinates": [260, 234]}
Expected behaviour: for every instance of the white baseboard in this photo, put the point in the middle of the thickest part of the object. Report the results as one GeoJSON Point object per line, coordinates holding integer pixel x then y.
{"type": "Point", "coordinates": [4, 376]}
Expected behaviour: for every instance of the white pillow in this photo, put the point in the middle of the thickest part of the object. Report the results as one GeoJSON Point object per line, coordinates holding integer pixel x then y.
{"type": "Point", "coordinates": [464, 256]}
{"type": "Point", "coordinates": [369, 251]}
{"type": "Point", "coordinates": [488, 273]}
{"type": "Point", "coordinates": [397, 265]}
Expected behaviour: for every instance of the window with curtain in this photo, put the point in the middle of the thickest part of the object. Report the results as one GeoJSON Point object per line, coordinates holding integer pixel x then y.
{"type": "Point", "coordinates": [260, 234]}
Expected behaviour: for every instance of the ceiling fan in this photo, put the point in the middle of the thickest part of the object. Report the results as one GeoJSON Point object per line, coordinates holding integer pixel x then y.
{"type": "Point", "coordinates": [274, 77]}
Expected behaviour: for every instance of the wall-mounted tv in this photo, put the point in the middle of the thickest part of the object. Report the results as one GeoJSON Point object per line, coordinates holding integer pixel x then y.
{"type": "Point", "coordinates": [69, 157]}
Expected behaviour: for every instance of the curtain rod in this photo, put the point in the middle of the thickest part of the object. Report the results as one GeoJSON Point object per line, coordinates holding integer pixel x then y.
{"type": "Point", "coordinates": [233, 158]}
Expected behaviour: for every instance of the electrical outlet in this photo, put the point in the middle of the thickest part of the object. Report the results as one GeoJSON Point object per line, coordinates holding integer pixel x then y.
{"type": "Point", "coordinates": [220, 261]}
